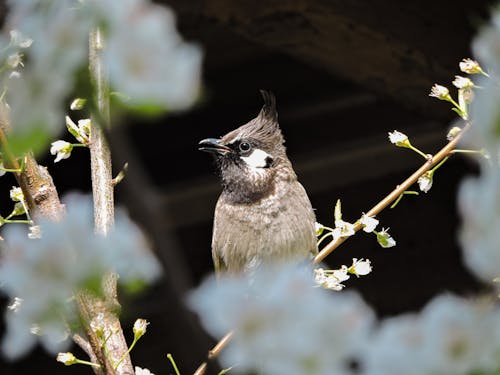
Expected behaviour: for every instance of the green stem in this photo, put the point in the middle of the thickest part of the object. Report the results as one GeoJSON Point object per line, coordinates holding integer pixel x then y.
{"type": "Point", "coordinates": [174, 365]}
{"type": "Point", "coordinates": [126, 353]}
{"type": "Point", "coordinates": [325, 236]}
{"type": "Point", "coordinates": [407, 192]}
{"type": "Point", "coordinates": [82, 362]}
{"type": "Point", "coordinates": [413, 148]}
{"type": "Point", "coordinates": [7, 221]}
{"type": "Point", "coordinates": [79, 145]}
{"type": "Point", "coordinates": [461, 151]}
{"type": "Point", "coordinates": [439, 165]}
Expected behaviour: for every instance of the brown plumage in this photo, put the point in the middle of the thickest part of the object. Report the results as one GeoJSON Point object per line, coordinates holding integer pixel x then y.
{"type": "Point", "coordinates": [263, 214]}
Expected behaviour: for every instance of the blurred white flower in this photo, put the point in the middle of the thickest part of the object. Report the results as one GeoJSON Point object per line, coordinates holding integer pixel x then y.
{"type": "Point", "coordinates": [46, 272]}
{"type": "Point", "coordinates": [282, 325]}
{"type": "Point", "coordinates": [485, 112]}
{"type": "Point", "coordinates": [459, 336]}
{"type": "Point", "coordinates": [14, 60]}
{"type": "Point", "coordinates": [61, 31]}
{"type": "Point", "coordinates": [62, 149]}
{"type": "Point", "coordinates": [462, 82]}
{"type": "Point", "coordinates": [2, 169]}
{"type": "Point", "coordinates": [440, 92]}
{"type": "Point", "coordinates": [147, 59]}
{"type": "Point", "coordinates": [486, 46]}
{"type": "Point", "coordinates": [369, 223]}
{"type": "Point", "coordinates": [425, 181]}
{"type": "Point", "coordinates": [396, 348]}
{"type": "Point", "coordinates": [479, 206]}
{"type": "Point", "coordinates": [17, 39]}
{"type": "Point", "coordinates": [470, 66]}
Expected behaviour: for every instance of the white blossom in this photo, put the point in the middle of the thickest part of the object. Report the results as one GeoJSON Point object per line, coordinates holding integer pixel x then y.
{"type": "Point", "coordinates": [331, 279]}
{"type": "Point", "coordinates": [142, 371]}
{"type": "Point", "coordinates": [66, 358]}
{"type": "Point", "coordinates": [470, 66]}
{"type": "Point", "coordinates": [399, 139]}
{"type": "Point", "coordinates": [360, 267]}
{"type": "Point", "coordinates": [16, 194]}
{"type": "Point", "coordinates": [269, 315]}
{"type": "Point", "coordinates": [318, 228]}
{"type": "Point", "coordinates": [69, 256]}
{"type": "Point", "coordinates": [440, 92]}
{"type": "Point", "coordinates": [384, 238]}
{"type": "Point", "coordinates": [139, 328]}
{"type": "Point", "coordinates": [425, 181]}
{"type": "Point", "coordinates": [81, 131]}
{"type": "Point", "coordinates": [62, 149]}
{"type": "Point", "coordinates": [343, 229]}
{"type": "Point", "coordinates": [462, 82]}
{"type": "Point", "coordinates": [369, 223]}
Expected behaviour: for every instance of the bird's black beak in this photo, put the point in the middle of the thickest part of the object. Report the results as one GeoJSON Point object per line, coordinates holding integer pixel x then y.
{"type": "Point", "coordinates": [213, 145]}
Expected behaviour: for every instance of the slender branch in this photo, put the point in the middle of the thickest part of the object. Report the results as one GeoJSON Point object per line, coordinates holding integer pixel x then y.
{"type": "Point", "coordinates": [400, 189]}
{"type": "Point", "coordinates": [214, 353]}
{"type": "Point", "coordinates": [100, 157]}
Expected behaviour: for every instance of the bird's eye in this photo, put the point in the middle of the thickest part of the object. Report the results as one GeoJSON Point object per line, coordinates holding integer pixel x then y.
{"type": "Point", "coordinates": [245, 146]}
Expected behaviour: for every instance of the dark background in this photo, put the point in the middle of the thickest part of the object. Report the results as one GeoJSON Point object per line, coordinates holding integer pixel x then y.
{"type": "Point", "coordinates": [344, 74]}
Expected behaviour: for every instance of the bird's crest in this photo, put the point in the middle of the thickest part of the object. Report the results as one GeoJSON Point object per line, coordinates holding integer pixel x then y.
{"type": "Point", "coordinates": [268, 111]}
{"type": "Point", "coordinates": [264, 127]}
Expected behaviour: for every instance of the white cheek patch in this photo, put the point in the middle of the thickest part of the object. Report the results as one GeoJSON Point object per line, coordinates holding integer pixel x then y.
{"type": "Point", "coordinates": [257, 159]}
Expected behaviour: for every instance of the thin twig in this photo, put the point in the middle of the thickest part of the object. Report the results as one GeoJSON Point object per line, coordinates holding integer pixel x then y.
{"type": "Point", "coordinates": [214, 353]}
{"type": "Point", "coordinates": [400, 189]}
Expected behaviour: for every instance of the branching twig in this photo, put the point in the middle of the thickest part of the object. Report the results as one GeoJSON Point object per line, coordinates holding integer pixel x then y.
{"type": "Point", "coordinates": [392, 196]}
{"type": "Point", "coordinates": [214, 353]}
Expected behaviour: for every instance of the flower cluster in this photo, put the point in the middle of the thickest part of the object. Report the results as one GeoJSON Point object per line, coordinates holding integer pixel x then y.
{"type": "Point", "coordinates": [46, 272]}
{"type": "Point", "coordinates": [332, 279]}
{"type": "Point", "coordinates": [283, 326]}
{"type": "Point", "coordinates": [147, 60]}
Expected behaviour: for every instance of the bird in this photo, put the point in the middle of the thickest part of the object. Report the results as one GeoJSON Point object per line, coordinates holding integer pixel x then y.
{"type": "Point", "coordinates": [263, 215]}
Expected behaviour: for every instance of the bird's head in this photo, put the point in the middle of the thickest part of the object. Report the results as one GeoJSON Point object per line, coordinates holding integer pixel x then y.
{"type": "Point", "coordinates": [251, 157]}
